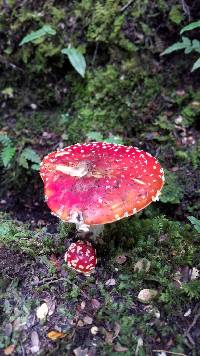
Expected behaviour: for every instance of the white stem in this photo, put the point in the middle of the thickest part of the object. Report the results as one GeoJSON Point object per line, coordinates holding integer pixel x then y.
{"type": "Point", "coordinates": [96, 230]}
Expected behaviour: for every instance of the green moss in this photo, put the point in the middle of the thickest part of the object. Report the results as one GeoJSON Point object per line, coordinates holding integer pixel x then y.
{"type": "Point", "coordinates": [104, 22]}
{"type": "Point", "coordinates": [176, 14]}
{"type": "Point", "coordinates": [111, 99]}
{"type": "Point", "coordinates": [18, 237]}
{"type": "Point", "coordinates": [190, 113]}
{"type": "Point", "coordinates": [95, 104]}
{"type": "Point", "coordinates": [191, 155]}
{"type": "Point", "coordinates": [172, 191]}
{"type": "Point", "coordinates": [37, 122]}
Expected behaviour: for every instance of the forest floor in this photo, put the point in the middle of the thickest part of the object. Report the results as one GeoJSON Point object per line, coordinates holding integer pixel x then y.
{"type": "Point", "coordinates": [48, 309]}
{"type": "Point", "coordinates": [132, 95]}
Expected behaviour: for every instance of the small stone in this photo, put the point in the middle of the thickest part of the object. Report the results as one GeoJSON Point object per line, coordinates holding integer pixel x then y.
{"type": "Point", "coordinates": [180, 92]}
{"type": "Point", "coordinates": [194, 274]}
{"type": "Point", "coordinates": [179, 119]}
{"type": "Point", "coordinates": [187, 313]}
{"type": "Point", "coordinates": [35, 342]}
{"type": "Point", "coordinates": [83, 305]}
{"type": "Point", "coordinates": [33, 106]}
{"type": "Point", "coordinates": [94, 330]}
{"type": "Point", "coordinates": [146, 295]}
{"type": "Point", "coordinates": [88, 320]}
{"type": "Point", "coordinates": [42, 311]}
{"type": "Point", "coordinates": [80, 323]}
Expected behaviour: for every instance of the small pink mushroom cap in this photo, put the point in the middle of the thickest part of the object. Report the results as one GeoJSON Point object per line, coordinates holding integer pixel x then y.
{"type": "Point", "coordinates": [98, 183]}
{"type": "Point", "coordinates": [81, 256]}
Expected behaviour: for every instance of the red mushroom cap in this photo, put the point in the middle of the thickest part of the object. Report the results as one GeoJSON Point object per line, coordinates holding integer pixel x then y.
{"type": "Point", "coordinates": [98, 183]}
{"type": "Point", "coordinates": [81, 256]}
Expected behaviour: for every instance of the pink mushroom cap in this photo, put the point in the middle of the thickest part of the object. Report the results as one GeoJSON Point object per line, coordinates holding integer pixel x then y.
{"type": "Point", "coordinates": [99, 182]}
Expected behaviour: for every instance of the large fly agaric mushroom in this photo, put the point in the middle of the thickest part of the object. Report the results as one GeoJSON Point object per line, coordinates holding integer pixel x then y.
{"type": "Point", "coordinates": [98, 183]}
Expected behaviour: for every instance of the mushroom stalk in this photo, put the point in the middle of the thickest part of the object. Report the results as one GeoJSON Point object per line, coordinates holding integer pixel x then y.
{"type": "Point", "coordinates": [93, 233]}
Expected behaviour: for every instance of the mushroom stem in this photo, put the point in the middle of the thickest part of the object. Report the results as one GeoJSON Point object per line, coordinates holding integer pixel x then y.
{"type": "Point", "coordinates": [93, 233]}
{"type": "Point", "coordinates": [77, 218]}
{"type": "Point", "coordinates": [96, 231]}
{"type": "Point", "coordinates": [82, 227]}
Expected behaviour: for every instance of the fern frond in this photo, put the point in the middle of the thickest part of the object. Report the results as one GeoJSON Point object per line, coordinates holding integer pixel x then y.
{"type": "Point", "coordinates": [5, 140]}
{"type": "Point", "coordinates": [29, 155]}
{"type": "Point", "coordinates": [7, 154]}
{"type": "Point", "coordinates": [8, 150]}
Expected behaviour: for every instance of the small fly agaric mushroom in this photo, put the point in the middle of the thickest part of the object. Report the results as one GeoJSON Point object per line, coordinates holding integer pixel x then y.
{"type": "Point", "coordinates": [98, 183]}
{"type": "Point", "coordinates": [81, 256]}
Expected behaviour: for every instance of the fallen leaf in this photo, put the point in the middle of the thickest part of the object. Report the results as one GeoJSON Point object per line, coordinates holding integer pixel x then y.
{"type": "Point", "coordinates": [108, 337]}
{"type": "Point", "coordinates": [88, 320]}
{"type": "Point", "coordinates": [42, 311]}
{"type": "Point", "coordinates": [8, 329]}
{"type": "Point", "coordinates": [119, 348]}
{"type": "Point", "coordinates": [146, 295]}
{"type": "Point", "coordinates": [83, 304]}
{"type": "Point", "coordinates": [51, 304]}
{"type": "Point", "coordinates": [121, 259]}
{"type": "Point", "coordinates": [110, 282]}
{"type": "Point", "coordinates": [55, 335]}
{"type": "Point", "coordinates": [95, 303]}
{"type": "Point", "coordinates": [142, 265]}
{"type": "Point", "coordinates": [139, 345]}
{"type": "Point", "coordinates": [35, 342]}
{"type": "Point", "coordinates": [9, 350]}
{"type": "Point", "coordinates": [80, 352]}
{"type": "Point", "coordinates": [117, 329]}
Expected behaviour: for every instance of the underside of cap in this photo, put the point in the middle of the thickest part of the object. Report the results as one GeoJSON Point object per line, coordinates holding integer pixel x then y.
{"type": "Point", "coordinates": [98, 183]}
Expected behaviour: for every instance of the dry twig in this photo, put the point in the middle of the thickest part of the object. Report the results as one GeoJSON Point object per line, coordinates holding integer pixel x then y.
{"type": "Point", "coordinates": [126, 6]}
{"type": "Point", "coordinates": [170, 352]}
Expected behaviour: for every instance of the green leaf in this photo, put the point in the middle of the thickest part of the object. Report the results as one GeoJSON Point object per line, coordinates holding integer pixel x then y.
{"type": "Point", "coordinates": [196, 44]}
{"type": "Point", "coordinates": [190, 27]}
{"type": "Point", "coordinates": [175, 47]}
{"type": "Point", "coordinates": [35, 166]}
{"type": "Point", "coordinates": [4, 229]}
{"type": "Point", "coordinates": [186, 41]}
{"type": "Point", "coordinates": [8, 92]}
{"type": "Point", "coordinates": [175, 14]}
{"type": "Point", "coordinates": [28, 154]}
{"type": "Point", "coordinates": [5, 140]}
{"type": "Point", "coordinates": [7, 154]}
{"type": "Point", "coordinates": [114, 139]}
{"type": "Point", "coordinates": [194, 222]}
{"type": "Point", "coordinates": [76, 59]}
{"type": "Point", "coordinates": [196, 65]}
{"type": "Point", "coordinates": [43, 31]}
{"type": "Point", "coordinates": [95, 136]}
